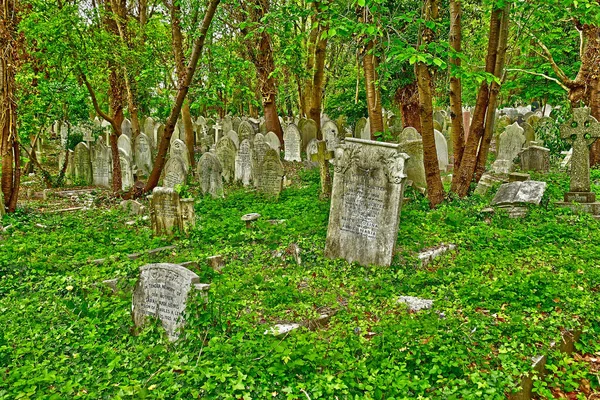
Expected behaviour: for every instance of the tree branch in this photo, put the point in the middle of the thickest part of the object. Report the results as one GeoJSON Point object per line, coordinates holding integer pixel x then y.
{"type": "Point", "coordinates": [542, 75]}
{"type": "Point", "coordinates": [548, 56]}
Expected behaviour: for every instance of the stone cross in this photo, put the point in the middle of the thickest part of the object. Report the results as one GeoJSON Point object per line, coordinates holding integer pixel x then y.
{"type": "Point", "coordinates": [87, 138]}
{"type": "Point", "coordinates": [322, 156]}
{"type": "Point", "coordinates": [581, 132]}
{"type": "Point", "coordinates": [217, 127]}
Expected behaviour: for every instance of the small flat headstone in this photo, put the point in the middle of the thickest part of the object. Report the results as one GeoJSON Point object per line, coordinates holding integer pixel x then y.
{"type": "Point", "coordinates": [415, 303]}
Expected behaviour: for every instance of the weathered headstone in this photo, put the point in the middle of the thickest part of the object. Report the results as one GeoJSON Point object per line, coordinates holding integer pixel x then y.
{"type": "Point", "coordinates": [258, 154]}
{"type": "Point", "coordinates": [126, 128]}
{"type": "Point", "coordinates": [175, 172]}
{"type": "Point", "coordinates": [209, 173]}
{"type": "Point", "coordinates": [143, 154]}
{"type": "Point", "coordinates": [167, 213]}
{"type": "Point", "coordinates": [366, 201]}
{"type": "Point", "coordinates": [124, 143]}
{"type": "Point", "coordinates": [126, 169]}
{"type": "Point", "coordinates": [158, 134]}
{"type": "Point", "coordinates": [178, 148]}
{"type": "Point", "coordinates": [441, 146]}
{"type": "Point", "coordinates": [520, 192]}
{"type": "Point", "coordinates": [82, 164]}
{"type": "Point", "coordinates": [308, 131]}
{"type": "Point", "coordinates": [245, 131]}
{"type": "Point", "coordinates": [162, 291]}
{"type": "Point", "coordinates": [101, 163]}
{"type": "Point", "coordinates": [535, 158]}
{"type": "Point", "coordinates": [149, 127]}
{"type": "Point", "coordinates": [270, 175]}
{"type": "Point", "coordinates": [366, 132]}
{"type": "Point", "coordinates": [225, 151]}
{"type": "Point", "coordinates": [409, 133]}
{"type": "Point", "coordinates": [511, 143]}
{"type": "Point", "coordinates": [273, 141]}
{"type": "Point", "coordinates": [236, 121]}
{"type": "Point", "coordinates": [331, 135]}
{"type": "Point", "coordinates": [234, 138]}
{"type": "Point", "coordinates": [360, 127]}
{"type": "Point", "coordinates": [311, 149]}
{"type": "Point", "coordinates": [292, 143]}
{"type": "Point", "coordinates": [529, 133]}
{"type": "Point", "coordinates": [412, 144]}
{"type": "Point", "coordinates": [321, 157]}
{"type": "Point", "coordinates": [243, 163]}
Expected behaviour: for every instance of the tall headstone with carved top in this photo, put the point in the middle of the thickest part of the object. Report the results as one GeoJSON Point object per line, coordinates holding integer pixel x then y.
{"type": "Point", "coordinates": [366, 200]}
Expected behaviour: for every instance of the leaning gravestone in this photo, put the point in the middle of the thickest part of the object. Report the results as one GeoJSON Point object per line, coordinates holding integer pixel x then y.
{"type": "Point", "coordinates": [235, 122]}
{"type": "Point", "coordinates": [331, 135]}
{"type": "Point", "coordinates": [511, 143]}
{"type": "Point", "coordinates": [101, 163]}
{"type": "Point", "coordinates": [126, 170]}
{"type": "Point", "coordinates": [175, 172]}
{"type": "Point", "coordinates": [126, 128]}
{"type": "Point", "coordinates": [234, 138]}
{"type": "Point", "coordinates": [162, 291]}
{"type": "Point", "coordinates": [273, 141]}
{"type": "Point", "coordinates": [412, 144]}
{"type": "Point", "coordinates": [178, 148]}
{"type": "Point", "coordinates": [143, 154]}
{"type": "Point", "coordinates": [581, 131]}
{"type": "Point", "coordinates": [520, 192]}
{"type": "Point", "coordinates": [225, 151]}
{"type": "Point", "coordinates": [245, 131]}
{"type": "Point", "coordinates": [535, 158]}
{"type": "Point", "coordinates": [366, 200]}
{"type": "Point", "coordinates": [209, 173]}
{"type": "Point", "coordinates": [159, 132]}
{"type": "Point", "coordinates": [270, 175]}
{"type": "Point", "coordinates": [82, 164]}
{"type": "Point", "coordinates": [441, 147]}
{"type": "Point", "coordinates": [529, 133]}
{"type": "Point", "coordinates": [258, 155]}
{"type": "Point", "coordinates": [366, 132]}
{"type": "Point", "coordinates": [243, 163]}
{"type": "Point", "coordinates": [292, 143]}
{"type": "Point", "coordinates": [124, 143]}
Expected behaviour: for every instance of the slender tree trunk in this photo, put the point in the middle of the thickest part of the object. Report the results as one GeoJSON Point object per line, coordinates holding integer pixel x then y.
{"type": "Point", "coordinates": [317, 86]}
{"type": "Point", "coordinates": [407, 98]}
{"type": "Point", "coordinates": [186, 116]}
{"type": "Point", "coordinates": [373, 95]}
{"type": "Point", "coordinates": [494, 91]}
{"type": "Point", "coordinates": [184, 85]}
{"type": "Point", "coordinates": [463, 177]}
{"type": "Point", "coordinates": [265, 66]}
{"type": "Point", "coordinates": [9, 139]}
{"type": "Point", "coordinates": [435, 189]}
{"type": "Point", "coordinates": [306, 92]}
{"type": "Point", "coordinates": [455, 39]}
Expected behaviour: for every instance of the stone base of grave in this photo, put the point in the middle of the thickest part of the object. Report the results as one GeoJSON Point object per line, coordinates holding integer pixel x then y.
{"type": "Point", "coordinates": [515, 211]}
{"type": "Point", "coordinates": [518, 177]}
{"type": "Point", "coordinates": [588, 208]}
{"type": "Point", "coordinates": [580, 197]}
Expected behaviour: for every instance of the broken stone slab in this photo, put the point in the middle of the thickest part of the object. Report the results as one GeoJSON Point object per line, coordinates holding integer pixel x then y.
{"type": "Point", "coordinates": [519, 193]}
{"type": "Point", "coordinates": [415, 303]}
{"type": "Point", "coordinates": [189, 264]}
{"type": "Point", "coordinates": [518, 177]}
{"type": "Point", "coordinates": [249, 218]}
{"type": "Point", "coordinates": [216, 262]}
{"type": "Point", "coordinates": [112, 284]}
{"type": "Point", "coordinates": [285, 328]}
{"type": "Point", "coordinates": [282, 329]}
{"type": "Point", "coordinates": [133, 207]}
{"type": "Point", "coordinates": [70, 193]}
{"type": "Point", "coordinates": [428, 256]}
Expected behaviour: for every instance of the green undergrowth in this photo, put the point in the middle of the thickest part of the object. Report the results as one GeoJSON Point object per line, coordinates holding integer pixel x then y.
{"type": "Point", "coordinates": [503, 296]}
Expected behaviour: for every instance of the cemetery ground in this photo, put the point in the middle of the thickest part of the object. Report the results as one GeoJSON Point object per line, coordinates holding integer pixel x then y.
{"type": "Point", "coordinates": [509, 289]}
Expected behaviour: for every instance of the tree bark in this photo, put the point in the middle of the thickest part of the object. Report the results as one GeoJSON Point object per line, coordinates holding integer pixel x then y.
{"type": "Point", "coordinates": [463, 177]}
{"type": "Point", "coordinates": [407, 98]}
{"type": "Point", "coordinates": [184, 85]}
{"type": "Point", "coordinates": [435, 189]}
{"type": "Point", "coordinates": [9, 139]}
{"type": "Point", "coordinates": [373, 95]}
{"type": "Point", "coordinates": [455, 39]}
{"type": "Point", "coordinates": [317, 85]}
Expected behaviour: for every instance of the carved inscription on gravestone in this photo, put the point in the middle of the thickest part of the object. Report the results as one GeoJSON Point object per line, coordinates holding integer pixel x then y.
{"type": "Point", "coordinates": [366, 201]}
{"type": "Point", "coordinates": [161, 292]}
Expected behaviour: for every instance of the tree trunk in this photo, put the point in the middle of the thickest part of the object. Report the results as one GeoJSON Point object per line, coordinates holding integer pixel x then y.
{"type": "Point", "coordinates": [317, 86]}
{"type": "Point", "coordinates": [435, 189]}
{"type": "Point", "coordinates": [455, 39]}
{"type": "Point", "coordinates": [407, 98]}
{"type": "Point", "coordinates": [265, 67]}
{"type": "Point", "coordinates": [184, 85]}
{"type": "Point", "coordinates": [373, 95]}
{"type": "Point", "coordinates": [9, 139]}
{"type": "Point", "coordinates": [463, 177]}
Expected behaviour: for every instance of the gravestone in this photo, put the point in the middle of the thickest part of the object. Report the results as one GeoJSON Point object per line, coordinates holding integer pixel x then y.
{"type": "Point", "coordinates": [236, 121]}
{"type": "Point", "coordinates": [209, 173]}
{"type": "Point", "coordinates": [292, 143]}
{"type": "Point", "coordinates": [143, 154]}
{"type": "Point", "coordinates": [519, 193]}
{"type": "Point", "coordinates": [234, 138]}
{"type": "Point", "coordinates": [162, 291]}
{"type": "Point", "coordinates": [270, 175]}
{"type": "Point", "coordinates": [64, 134]}
{"type": "Point", "coordinates": [159, 132]}
{"type": "Point", "coordinates": [175, 172]}
{"type": "Point", "coordinates": [368, 188]}
{"type": "Point", "coordinates": [360, 127]}
{"type": "Point", "coordinates": [441, 146]}
{"type": "Point", "coordinates": [535, 158]}
{"type": "Point", "coordinates": [149, 127]}
{"type": "Point", "coordinates": [243, 163]}
{"type": "Point", "coordinates": [311, 149]}
{"type": "Point", "coordinates": [273, 141]}
{"type": "Point", "coordinates": [124, 143]}
{"type": "Point", "coordinates": [581, 131]}
{"type": "Point", "coordinates": [529, 133]}
{"type": "Point", "coordinates": [409, 133]}
{"type": "Point", "coordinates": [169, 213]}
{"type": "Point", "coordinates": [126, 128]}
{"type": "Point", "coordinates": [511, 143]}
{"type": "Point", "coordinates": [227, 124]}
{"type": "Point", "coordinates": [258, 154]}
{"type": "Point", "coordinates": [206, 143]}
{"type": "Point", "coordinates": [321, 157]}
{"type": "Point", "coordinates": [101, 163]}
{"type": "Point", "coordinates": [308, 131]}
{"type": "Point", "coordinates": [331, 135]}
{"type": "Point", "coordinates": [245, 131]}
{"type": "Point", "coordinates": [178, 148]}
{"type": "Point", "coordinates": [366, 132]}
{"type": "Point", "coordinates": [82, 164]}
{"type": "Point", "coordinates": [225, 151]}
{"type": "Point", "coordinates": [126, 170]}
